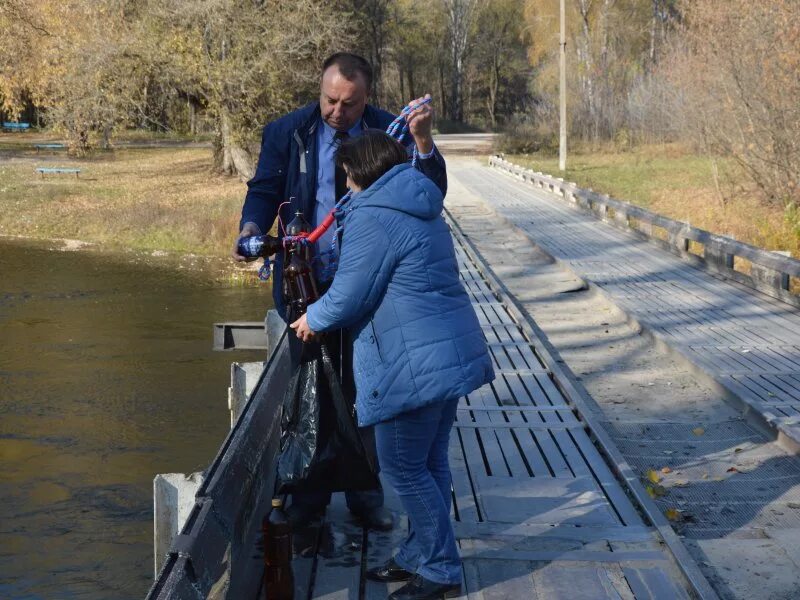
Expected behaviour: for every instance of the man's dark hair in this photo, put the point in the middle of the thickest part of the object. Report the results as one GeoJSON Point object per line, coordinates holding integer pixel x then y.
{"type": "Point", "coordinates": [349, 65]}
{"type": "Point", "coordinates": [368, 156]}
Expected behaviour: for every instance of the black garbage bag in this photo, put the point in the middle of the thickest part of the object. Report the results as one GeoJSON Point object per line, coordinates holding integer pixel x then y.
{"type": "Point", "coordinates": [321, 448]}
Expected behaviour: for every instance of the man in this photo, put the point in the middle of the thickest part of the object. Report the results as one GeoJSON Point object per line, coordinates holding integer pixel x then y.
{"type": "Point", "coordinates": [296, 172]}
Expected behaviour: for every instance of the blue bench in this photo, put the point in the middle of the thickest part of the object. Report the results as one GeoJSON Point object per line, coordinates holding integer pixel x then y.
{"type": "Point", "coordinates": [56, 170]}
{"type": "Point", "coordinates": [49, 147]}
{"type": "Point", "coordinates": [16, 126]}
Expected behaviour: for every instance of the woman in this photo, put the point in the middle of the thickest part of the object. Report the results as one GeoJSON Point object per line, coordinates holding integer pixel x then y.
{"type": "Point", "coordinates": [417, 346]}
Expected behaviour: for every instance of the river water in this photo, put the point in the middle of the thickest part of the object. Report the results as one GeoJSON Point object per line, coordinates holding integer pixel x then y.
{"type": "Point", "coordinates": [107, 377]}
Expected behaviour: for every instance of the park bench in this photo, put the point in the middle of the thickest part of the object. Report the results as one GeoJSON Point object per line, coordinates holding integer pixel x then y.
{"type": "Point", "coordinates": [49, 147]}
{"type": "Point", "coordinates": [57, 170]}
{"type": "Point", "coordinates": [8, 126]}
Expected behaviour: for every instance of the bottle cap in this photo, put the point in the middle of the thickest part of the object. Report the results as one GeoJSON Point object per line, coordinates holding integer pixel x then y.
{"type": "Point", "coordinates": [277, 503]}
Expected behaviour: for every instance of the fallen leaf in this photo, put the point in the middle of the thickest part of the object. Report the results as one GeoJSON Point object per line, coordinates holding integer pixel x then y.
{"type": "Point", "coordinates": [673, 514]}
{"type": "Point", "coordinates": [653, 476]}
{"type": "Point", "coordinates": [666, 470]}
{"type": "Point", "coordinates": [680, 483]}
{"type": "Point", "coordinates": [737, 449]}
{"type": "Point", "coordinates": [705, 476]}
{"type": "Point", "coordinates": [733, 470]}
{"type": "Point", "coordinates": [698, 431]}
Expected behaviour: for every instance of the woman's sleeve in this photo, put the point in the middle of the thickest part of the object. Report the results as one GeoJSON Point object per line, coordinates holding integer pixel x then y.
{"type": "Point", "coordinates": [365, 266]}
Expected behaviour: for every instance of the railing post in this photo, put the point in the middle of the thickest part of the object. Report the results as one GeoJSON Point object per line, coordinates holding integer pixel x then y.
{"type": "Point", "coordinates": [764, 276]}
{"type": "Point", "coordinates": [715, 255]}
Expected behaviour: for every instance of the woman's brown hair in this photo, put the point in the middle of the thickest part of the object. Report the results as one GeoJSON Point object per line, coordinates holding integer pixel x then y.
{"type": "Point", "coordinates": [368, 156]}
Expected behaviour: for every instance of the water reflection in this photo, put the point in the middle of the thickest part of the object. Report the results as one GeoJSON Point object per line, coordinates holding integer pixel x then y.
{"type": "Point", "coordinates": [106, 378]}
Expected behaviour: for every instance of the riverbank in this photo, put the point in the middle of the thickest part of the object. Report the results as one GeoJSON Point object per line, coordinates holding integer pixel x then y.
{"type": "Point", "coordinates": [675, 182]}
{"type": "Point", "coordinates": [151, 201]}
{"type": "Point", "coordinates": [139, 198]}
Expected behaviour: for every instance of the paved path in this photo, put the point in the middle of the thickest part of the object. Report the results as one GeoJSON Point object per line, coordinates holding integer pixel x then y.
{"type": "Point", "coordinates": [745, 340]}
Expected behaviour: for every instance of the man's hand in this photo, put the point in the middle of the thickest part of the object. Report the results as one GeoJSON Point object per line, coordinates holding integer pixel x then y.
{"type": "Point", "coordinates": [420, 123]}
{"type": "Point", "coordinates": [248, 230]}
{"type": "Point", "coordinates": [302, 330]}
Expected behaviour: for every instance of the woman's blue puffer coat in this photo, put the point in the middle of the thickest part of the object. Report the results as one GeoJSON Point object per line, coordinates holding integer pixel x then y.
{"type": "Point", "coordinates": [416, 338]}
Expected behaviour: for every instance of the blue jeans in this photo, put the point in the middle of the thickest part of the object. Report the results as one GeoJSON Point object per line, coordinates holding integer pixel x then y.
{"type": "Point", "coordinates": [412, 452]}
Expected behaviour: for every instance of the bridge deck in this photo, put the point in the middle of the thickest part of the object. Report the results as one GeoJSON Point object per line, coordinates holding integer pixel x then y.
{"type": "Point", "coordinates": [745, 340]}
{"type": "Point", "coordinates": [538, 512]}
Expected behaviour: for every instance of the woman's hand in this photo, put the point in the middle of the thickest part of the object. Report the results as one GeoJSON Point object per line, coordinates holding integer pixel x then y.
{"type": "Point", "coordinates": [302, 330]}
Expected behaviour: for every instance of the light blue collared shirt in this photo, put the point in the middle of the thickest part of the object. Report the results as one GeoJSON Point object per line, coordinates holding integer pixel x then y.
{"type": "Point", "coordinates": [326, 185]}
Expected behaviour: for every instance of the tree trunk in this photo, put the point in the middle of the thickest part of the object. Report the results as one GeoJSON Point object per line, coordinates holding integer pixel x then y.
{"type": "Point", "coordinates": [105, 142]}
{"type": "Point", "coordinates": [230, 157]}
{"type": "Point", "coordinates": [192, 117]}
{"type": "Point", "coordinates": [494, 84]}
{"type": "Point", "coordinates": [459, 13]}
{"type": "Point", "coordinates": [443, 91]}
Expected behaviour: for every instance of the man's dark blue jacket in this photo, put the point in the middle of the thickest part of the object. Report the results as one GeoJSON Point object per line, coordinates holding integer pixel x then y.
{"type": "Point", "coordinates": [287, 172]}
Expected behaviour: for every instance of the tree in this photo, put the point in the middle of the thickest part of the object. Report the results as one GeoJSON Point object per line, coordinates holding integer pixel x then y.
{"type": "Point", "coordinates": [501, 56]}
{"type": "Point", "coordinates": [74, 60]}
{"type": "Point", "coordinates": [247, 61]}
{"type": "Point", "coordinates": [736, 68]}
{"type": "Point", "coordinates": [460, 16]}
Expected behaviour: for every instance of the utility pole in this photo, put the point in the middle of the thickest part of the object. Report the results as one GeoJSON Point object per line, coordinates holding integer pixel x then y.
{"type": "Point", "coordinates": [562, 146]}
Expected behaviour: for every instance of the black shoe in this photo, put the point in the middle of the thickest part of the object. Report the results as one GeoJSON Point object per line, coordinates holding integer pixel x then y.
{"type": "Point", "coordinates": [389, 571]}
{"type": "Point", "coordinates": [378, 518]}
{"type": "Point", "coordinates": [420, 588]}
{"type": "Point", "coordinates": [303, 516]}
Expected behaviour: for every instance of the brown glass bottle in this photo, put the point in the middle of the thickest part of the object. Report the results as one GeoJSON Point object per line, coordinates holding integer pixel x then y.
{"type": "Point", "coordinates": [302, 288]}
{"type": "Point", "coordinates": [278, 575]}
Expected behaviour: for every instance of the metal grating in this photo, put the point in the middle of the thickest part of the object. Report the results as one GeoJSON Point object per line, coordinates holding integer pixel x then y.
{"type": "Point", "coordinates": [722, 480]}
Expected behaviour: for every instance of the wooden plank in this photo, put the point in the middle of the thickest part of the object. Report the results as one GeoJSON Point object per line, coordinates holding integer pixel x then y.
{"type": "Point", "coordinates": [465, 503]}
{"type": "Point", "coordinates": [338, 572]}
{"type": "Point", "coordinates": [652, 583]}
{"type": "Point", "coordinates": [585, 534]}
{"type": "Point", "coordinates": [542, 500]}
{"type": "Point", "coordinates": [558, 466]}
{"type": "Point", "coordinates": [485, 439]}
{"type": "Point", "coordinates": [497, 579]}
{"type": "Point", "coordinates": [381, 546]}
{"type": "Point", "coordinates": [616, 495]}
{"type": "Point", "coordinates": [498, 429]}
{"type": "Point", "coordinates": [516, 409]}
{"type": "Point", "coordinates": [305, 544]}
{"type": "Point", "coordinates": [556, 555]}
{"type": "Point", "coordinates": [558, 582]}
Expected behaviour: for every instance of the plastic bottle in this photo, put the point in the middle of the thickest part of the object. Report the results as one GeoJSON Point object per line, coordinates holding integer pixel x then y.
{"type": "Point", "coordinates": [278, 575]}
{"type": "Point", "coordinates": [259, 245]}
